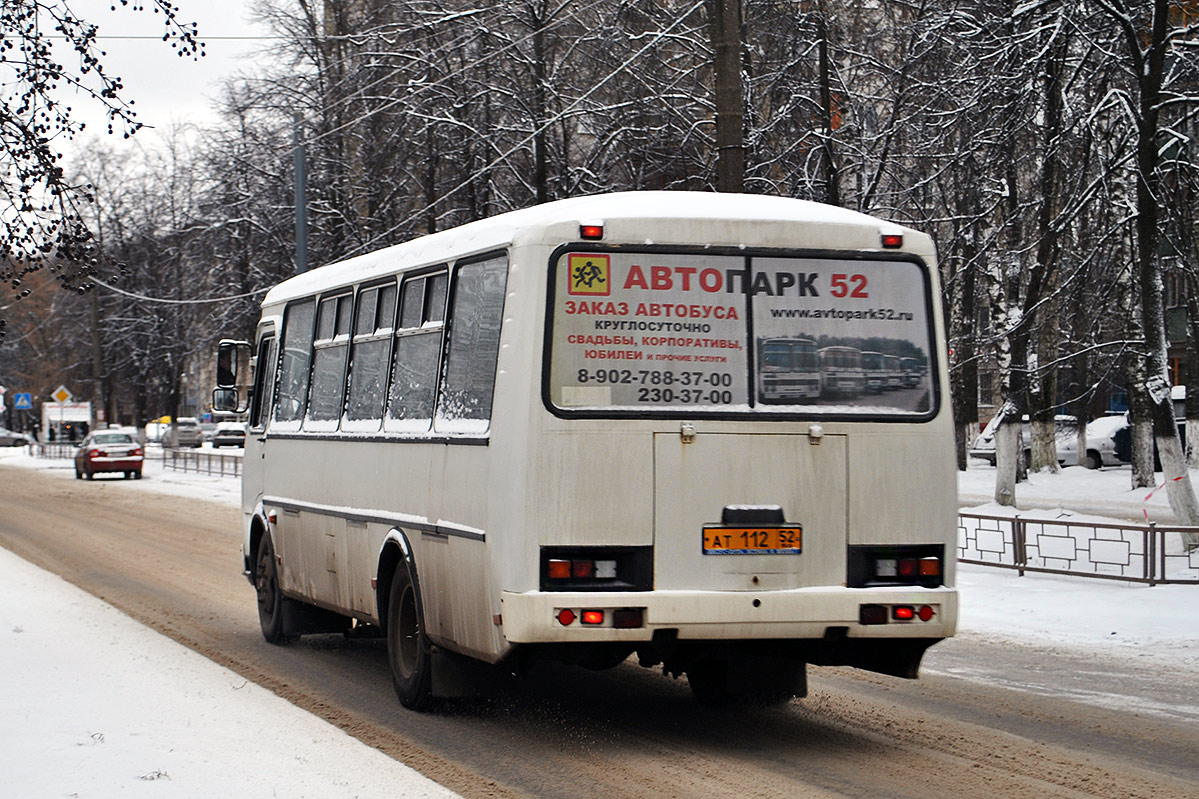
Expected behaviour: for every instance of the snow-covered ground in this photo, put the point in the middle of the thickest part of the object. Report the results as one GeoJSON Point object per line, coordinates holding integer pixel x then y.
{"type": "Point", "coordinates": [96, 705]}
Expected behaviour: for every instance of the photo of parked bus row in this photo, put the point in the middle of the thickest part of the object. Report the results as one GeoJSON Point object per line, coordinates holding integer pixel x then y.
{"type": "Point", "coordinates": [803, 369]}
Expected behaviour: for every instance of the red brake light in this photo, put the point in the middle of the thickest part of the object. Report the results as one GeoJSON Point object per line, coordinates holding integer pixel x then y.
{"type": "Point", "coordinates": [582, 569]}
{"type": "Point", "coordinates": [591, 231]}
{"type": "Point", "coordinates": [137, 451]}
{"type": "Point", "coordinates": [892, 241]}
{"type": "Point", "coordinates": [593, 617]}
{"type": "Point", "coordinates": [903, 613]}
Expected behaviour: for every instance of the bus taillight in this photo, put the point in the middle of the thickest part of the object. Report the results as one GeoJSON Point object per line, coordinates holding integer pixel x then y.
{"type": "Point", "coordinates": [902, 564]}
{"type": "Point", "coordinates": [617, 618]}
{"type": "Point", "coordinates": [580, 569]}
{"type": "Point", "coordinates": [882, 614]}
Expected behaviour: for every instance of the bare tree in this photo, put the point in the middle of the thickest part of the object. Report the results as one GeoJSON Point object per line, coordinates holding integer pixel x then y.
{"type": "Point", "coordinates": [41, 224]}
{"type": "Point", "coordinates": [1148, 35]}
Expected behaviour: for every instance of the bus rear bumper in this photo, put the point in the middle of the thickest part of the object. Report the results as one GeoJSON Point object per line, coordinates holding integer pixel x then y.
{"type": "Point", "coordinates": [803, 613]}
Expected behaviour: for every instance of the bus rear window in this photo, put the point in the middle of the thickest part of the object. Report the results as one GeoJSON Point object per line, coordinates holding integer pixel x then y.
{"type": "Point", "coordinates": [672, 333]}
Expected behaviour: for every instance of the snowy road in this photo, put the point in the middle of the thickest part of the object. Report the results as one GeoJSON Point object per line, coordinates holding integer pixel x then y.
{"type": "Point", "coordinates": [630, 731]}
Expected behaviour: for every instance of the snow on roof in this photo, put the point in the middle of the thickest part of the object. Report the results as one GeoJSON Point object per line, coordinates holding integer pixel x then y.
{"type": "Point", "coordinates": [501, 230]}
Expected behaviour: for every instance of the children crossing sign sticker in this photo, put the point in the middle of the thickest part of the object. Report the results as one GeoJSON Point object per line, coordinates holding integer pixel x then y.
{"type": "Point", "coordinates": [589, 275]}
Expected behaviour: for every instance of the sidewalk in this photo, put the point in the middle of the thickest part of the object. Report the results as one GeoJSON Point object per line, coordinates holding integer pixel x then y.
{"type": "Point", "coordinates": [98, 706]}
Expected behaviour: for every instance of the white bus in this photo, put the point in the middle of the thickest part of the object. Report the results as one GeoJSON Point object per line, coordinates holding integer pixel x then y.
{"type": "Point", "coordinates": [536, 436]}
{"type": "Point", "coordinates": [894, 372]}
{"type": "Point", "coordinates": [788, 369]}
{"type": "Point", "coordinates": [873, 372]}
{"type": "Point", "coordinates": [841, 371]}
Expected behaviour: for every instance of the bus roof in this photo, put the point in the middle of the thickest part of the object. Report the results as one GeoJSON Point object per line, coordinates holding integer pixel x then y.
{"type": "Point", "coordinates": [607, 209]}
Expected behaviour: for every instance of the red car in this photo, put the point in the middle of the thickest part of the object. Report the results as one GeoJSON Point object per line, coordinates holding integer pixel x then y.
{"type": "Point", "coordinates": [109, 451]}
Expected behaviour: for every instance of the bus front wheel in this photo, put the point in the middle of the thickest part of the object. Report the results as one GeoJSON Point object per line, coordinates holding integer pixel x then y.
{"type": "Point", "coordinates": [270, 598]}
{"type": "Point", "coordinates": [408, 651]}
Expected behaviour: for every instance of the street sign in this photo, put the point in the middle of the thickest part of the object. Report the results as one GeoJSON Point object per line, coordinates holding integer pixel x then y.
{"type": "Point", "coordinates": [23, 401]}
{"type": "Point", "coordinates": [62, 394]}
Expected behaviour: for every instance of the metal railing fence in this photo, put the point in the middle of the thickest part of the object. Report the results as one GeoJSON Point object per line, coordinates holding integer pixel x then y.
{"type": "Point", "coordinates": [1144, 553]}
{"type": "Point", "coordinates": [202, 461]}
{"type": "Point", "coordinates": [62, 451]}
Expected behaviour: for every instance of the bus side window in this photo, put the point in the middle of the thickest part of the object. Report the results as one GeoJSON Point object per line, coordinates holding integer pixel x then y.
{"type": "Point", "coordinates": [372, 346]}
{"type": "Point", "coordinates": [297, 358]}
{"type": "Point", "coordinates": [474, 341]}
{"type": "Point", "coordinates": [418, 350]}
{"type": "Point", "coordinates": [264, 383]}
{"type": "Point", "coordinates": [330, 348]}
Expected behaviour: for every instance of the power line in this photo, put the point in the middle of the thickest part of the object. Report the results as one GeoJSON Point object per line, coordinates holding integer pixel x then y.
{"type": "Point", "coordinates": [165, 301]}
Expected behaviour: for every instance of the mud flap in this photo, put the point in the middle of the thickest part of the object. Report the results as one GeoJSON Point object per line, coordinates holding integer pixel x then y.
{"type": "Point", "coordinates": [300, 618]}
{"type": "Point", "coordinates": [457, 676]}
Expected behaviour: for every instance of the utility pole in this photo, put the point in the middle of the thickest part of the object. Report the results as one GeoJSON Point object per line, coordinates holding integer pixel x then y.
{"type": "Point", "coordinates": [725, 32]}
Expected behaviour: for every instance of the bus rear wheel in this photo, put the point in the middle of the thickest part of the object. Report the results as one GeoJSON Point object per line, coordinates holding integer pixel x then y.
{"type": "Point", "coordinates": [270, 598]}
{"type": "Point", "coordinates": [408, 651]}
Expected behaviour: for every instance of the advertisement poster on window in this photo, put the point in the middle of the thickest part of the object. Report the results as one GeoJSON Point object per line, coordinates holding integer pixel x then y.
{"type": "Point", "coordinates": [709, 333]}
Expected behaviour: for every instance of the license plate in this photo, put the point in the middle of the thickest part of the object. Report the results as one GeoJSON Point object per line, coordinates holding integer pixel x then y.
{"type": "Point", "coordinates": [753, 540]}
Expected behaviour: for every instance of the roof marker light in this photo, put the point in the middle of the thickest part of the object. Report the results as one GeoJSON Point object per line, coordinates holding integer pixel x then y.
{"type": "Point", "coordinates": [892, 241]}
{"type": "Point", "coordinates": [591, 231]}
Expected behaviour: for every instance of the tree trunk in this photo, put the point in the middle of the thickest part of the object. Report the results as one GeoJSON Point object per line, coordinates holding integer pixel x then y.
{"type": "Point", "coordinates": [1192, 401]}
{"type": "Point", "coordinates": [1008, 454]}
{"type": "Point", "coordinates": [1156, 387]}
{"type": "Point", "coordinates": [832, 178]}
{"type": "Point", "coordinates": [730, 104]}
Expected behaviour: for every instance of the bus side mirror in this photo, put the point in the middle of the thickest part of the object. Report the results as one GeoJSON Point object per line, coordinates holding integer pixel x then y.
{"type": "Point", "coordinates": [231, 357]}
{"type": "Point", "coordinates": [228, 400]}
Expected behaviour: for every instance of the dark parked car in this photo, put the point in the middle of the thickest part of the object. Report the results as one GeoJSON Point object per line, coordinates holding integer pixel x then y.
{"type": "Point", "coordinates": [1123, 439]}
{"type": "Point", "coordinates": [109, 451]}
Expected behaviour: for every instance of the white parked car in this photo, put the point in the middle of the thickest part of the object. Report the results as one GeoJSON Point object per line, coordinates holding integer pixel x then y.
{"type": "Point", "coordinates": [11, 438]}
{"type": "Point", "coordinates": [1066, 431]}
{"type": "Point", "coordinates": [184, 432]}
{"type": "Point", "coordinates": [229, 434]}
{"type": "Point", "coordinates": [1101, 441]}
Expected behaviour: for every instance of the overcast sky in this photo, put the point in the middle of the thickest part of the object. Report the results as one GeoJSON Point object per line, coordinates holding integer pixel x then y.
{"type": "Point", "coordinates": [168, 89]}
